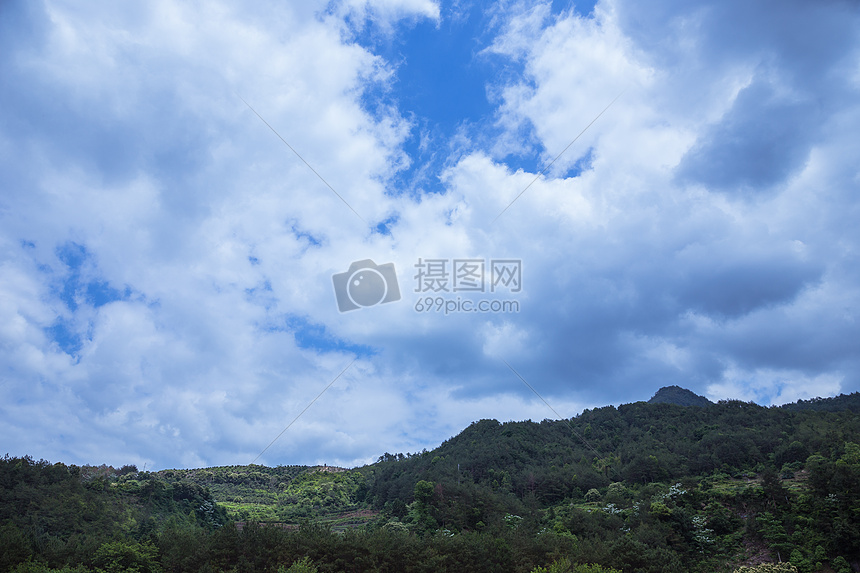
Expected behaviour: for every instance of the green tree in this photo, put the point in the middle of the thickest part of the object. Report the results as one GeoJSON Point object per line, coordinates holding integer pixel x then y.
{"type": "Point", "coordinates": [304, 565]}
{"type": "Point", "coordinates": [617, 493]}
{"type": "Point", "coordinates": [32, 567]}
{"type": "Point", "coordinates": [420, 513]}
{"type": "Point", "coordinates": [563, 565]}
{"type": "Point", "coordinates": [769, 568]}
{"type": "Point", "coordinates": [126, 557]}
{"type": "Point", "coordinates": [423, 492]}
{"type": "Point", "coordinates": [841, 565]}
{"type": "Point", "coordinates": [16, 547]}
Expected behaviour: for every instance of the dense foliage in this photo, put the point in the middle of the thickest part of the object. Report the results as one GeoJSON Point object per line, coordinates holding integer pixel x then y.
{"type": "Point", "coordinates": [634, 444]}
{"type": "Point", "coordinates": [69, 514]}
{"type": "Point", "coordinates": [849, 402]}
{"type": "Point", "coordinates": [639, 488]}
{"type": "Point", "coordinates": [678, 396]}
{"type": "Point", "coordinates": [283, 494]}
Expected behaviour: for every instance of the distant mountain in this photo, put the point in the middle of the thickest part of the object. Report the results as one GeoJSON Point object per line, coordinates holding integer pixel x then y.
{"type": "Point", "coordinates": [841, 403]}
{"type": "Point", "coordinates": [678, 396]}
{"type": "Point", "coordinates": [646, 487]}
{"type": "Point", "coordinates": [683, 397]}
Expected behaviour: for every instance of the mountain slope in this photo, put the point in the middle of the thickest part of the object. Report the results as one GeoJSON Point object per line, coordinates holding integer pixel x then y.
{"type": "Point", "coordinates": [678, 396]}
{"type": "Point", "coordinates": [645, 488]}
{"type": "Point", "coordinates": [849, 402]}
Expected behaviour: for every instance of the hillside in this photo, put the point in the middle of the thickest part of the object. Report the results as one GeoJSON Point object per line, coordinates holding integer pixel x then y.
{"type": "Point", "coordinates": [678, 396]}
{"type": "Point", "coordinates": [283, 494]}
{"type": "Point", "coordinates": [721, 454]}
{"type": "Point", "coordinates": [63, 514]}
{"type": "Point", "coordinates": [843, 402]}
{"type": "Point", "coordinates": [732, 459]}
{"type": "Point", "coordinates": [635, 443]}
{"type": "Point", "coordinates": [641, 488]}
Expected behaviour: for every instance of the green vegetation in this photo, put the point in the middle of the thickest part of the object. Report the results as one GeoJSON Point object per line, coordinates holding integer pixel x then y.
{"type": "Point", "coordinates": [850, 402]}
{"type": "Point", "coordinates": [284, 494]}
{"type": "Point", "coordinates": [97, 518]}
{"type": "Point", "coordinates": [678, 396]}
{"type": "Point", "coordinates": [642, 488]}
{"type": "Point", "coordinates": [769, 568]}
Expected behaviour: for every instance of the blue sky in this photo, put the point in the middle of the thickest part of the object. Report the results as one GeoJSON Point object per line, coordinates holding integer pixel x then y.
{"type": "Point", "coordinates": [166, 261]}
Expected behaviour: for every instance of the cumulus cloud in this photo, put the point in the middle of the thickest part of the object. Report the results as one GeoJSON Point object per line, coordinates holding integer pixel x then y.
{"type": "Point", "coordinates": [166, 261]}
{"type": "Point", "coordinates": [772, 387]}
{"type": "Point", "coordinates": [758, 144]}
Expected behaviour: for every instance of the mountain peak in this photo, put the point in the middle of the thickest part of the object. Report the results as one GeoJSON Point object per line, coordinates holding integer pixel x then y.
{"type": "Point", "coordinates": [679, 396]}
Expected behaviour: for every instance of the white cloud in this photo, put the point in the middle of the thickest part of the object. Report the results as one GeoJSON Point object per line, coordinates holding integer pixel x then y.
{"type": "Point", "coordinates": [127, 147]}
{"type": "Point", "coordinates": [774, 387]}
{"type": "Point", "coordinates": [385, 13]}
{"type": "Point", "coordinates": [574, 68]}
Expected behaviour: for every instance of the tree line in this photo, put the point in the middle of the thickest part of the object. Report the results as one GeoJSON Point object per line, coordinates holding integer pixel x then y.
{"type": "Point", "coordinates": [641, 488]}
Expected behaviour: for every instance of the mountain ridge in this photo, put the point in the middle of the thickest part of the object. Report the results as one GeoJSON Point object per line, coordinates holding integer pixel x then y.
{"type": "Point", "coordinates": [678, 396]}
{"type": "Point", "coordinates": [645, 487]}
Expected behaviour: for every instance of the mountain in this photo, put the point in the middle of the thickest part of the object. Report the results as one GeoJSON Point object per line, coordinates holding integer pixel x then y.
{"type": "Point", "coordinates": [647, 487]}
{"type": "Point", "coordinates": [683, 397]}
{"type": "Point", "coordinates": [841, 403]}
{"type": "Point", "coordinates": [678, 396]}
{"type": "Point", "coordinates": [52, 514]}
{"type": "Point", "coordinates": [636, 443]}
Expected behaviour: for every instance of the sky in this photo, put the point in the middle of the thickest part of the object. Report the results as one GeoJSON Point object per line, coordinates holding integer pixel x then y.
{"type": "Point", "coordinates": [316, 232]}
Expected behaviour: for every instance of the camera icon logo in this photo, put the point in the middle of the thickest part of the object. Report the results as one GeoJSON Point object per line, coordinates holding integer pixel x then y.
{"type": "Point", "coordinates": [365, 284]}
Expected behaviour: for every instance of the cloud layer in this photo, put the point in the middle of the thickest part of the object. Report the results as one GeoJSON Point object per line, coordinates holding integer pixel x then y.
{"type": "Point", "coordinates": [166, 261]}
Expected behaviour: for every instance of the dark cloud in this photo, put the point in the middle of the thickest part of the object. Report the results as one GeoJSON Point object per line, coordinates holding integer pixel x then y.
{"type": "Point", "coordinates": [759, 143]}
{"type": "Point", "coordinates": [728, 285]}
{"type": "Point", "coordinates": [807, 38]}
{"type": "Point", "coordinates": [144, 170]}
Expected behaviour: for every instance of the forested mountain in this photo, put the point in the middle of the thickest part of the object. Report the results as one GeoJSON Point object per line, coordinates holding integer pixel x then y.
{"type": "Point", "coordinates": [66, 514]}
{"type": "Point", "coordinates": [638, 488]}
{"type": "Point", "coordinates": [678, 396]}
{"type": "Point", "coordinates": [850, 402]}
{"type": "Point", "coordinates": [634, 443]}
{"type": "Point", "coordinates": [617, 455]}
{"type": "Point", "coordinates": [283, 494]}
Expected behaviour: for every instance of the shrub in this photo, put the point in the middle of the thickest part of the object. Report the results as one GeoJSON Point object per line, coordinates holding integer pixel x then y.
{"type": "Point", "coordinates": [769, 568]}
